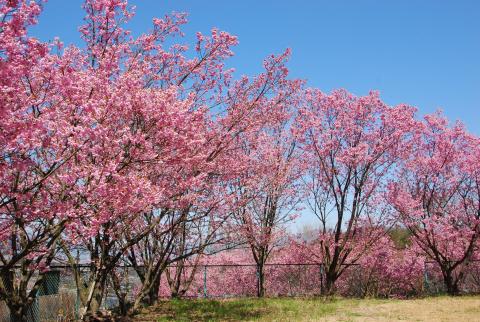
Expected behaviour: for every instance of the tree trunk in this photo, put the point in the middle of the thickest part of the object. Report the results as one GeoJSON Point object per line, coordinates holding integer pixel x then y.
{"type": "Point", "coordinates": [260, 280]}
{"type": "Point", "coordinates": [92, 301]}
{"type": "Point", "coordinates": [154, 290]}
{"type": "Point", "coordinates": [96, 299]}
{"type": "Point", "coordinates": [17, 313]}
{"type": "Point", "coordinates": [174, 294]}
{"type": "Point", "coordinates": [20, 306]}
{"type": "Point", "coordinates": [175, 281]}
{"type": "Point", "coordinates": [123, 305]}
{"type": "Point", "coordinates": [24, 311]}
{"type": "Point", "coordinates": [330, 279]}
{"type": "Point", "coordinates": [149, 291]}
{"type": "Point", "coordinates": [121, 294]}
{"type": "Point", "coordinates": [451, 284]}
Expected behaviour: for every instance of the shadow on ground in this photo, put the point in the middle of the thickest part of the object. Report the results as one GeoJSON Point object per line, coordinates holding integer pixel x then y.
{"type": "Point", "coordinates": [205, 311]}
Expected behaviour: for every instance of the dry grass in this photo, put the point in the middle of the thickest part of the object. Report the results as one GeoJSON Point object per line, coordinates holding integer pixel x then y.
{"type": "Point", "coordinates": [438, 309]}
{"type": "Point", "coordinates": [429, 309]}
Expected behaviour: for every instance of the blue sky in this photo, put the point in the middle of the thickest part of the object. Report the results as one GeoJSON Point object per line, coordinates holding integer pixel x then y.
{"type": "Point", "coordinates": [424, 53]}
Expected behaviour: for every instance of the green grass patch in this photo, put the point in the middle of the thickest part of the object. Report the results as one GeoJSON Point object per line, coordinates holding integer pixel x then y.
{"type": "Point", "coordinates": [237, 309]}
{"type": "Point", "coordinates": [315, 309]}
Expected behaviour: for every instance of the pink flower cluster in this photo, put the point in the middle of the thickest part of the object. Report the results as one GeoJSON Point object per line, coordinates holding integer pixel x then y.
{"type": "Point", "coordinates": [143, 151]}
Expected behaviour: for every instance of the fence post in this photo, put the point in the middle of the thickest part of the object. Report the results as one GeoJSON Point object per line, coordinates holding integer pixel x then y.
{"type": "Point", "coordinates": [77, 297]}
{"type": "Point", "coordinates": [205, 293]}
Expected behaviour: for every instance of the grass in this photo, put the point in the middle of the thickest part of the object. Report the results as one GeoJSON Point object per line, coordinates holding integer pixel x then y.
{"type": "Point", "coordinates": [442, 308]}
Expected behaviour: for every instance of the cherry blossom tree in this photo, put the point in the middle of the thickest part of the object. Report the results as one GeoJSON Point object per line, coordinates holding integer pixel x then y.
{"type": "Point", "coordinates": [165, 130]}
{"type": "Point", "coordinates": [136, 125]}
{"type": "Point", "coordinates": [353, 144]}
{"type": "Point", "coordinates": [40, 141]}
{"type": "Point", "coordinates": [143, 151]}
{"type": "Point", "coordinates": [271, 188]}
{"type": "Point", "coordinates": [179, 244]}
{"type": "Point", "coordinates": [438, 196]}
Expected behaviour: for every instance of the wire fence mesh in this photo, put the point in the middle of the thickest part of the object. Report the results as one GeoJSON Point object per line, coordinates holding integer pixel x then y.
{"type": "Point", "coordinates": [57, 298]}
{"type": "Point", "coordinates": [468, 277]}
{"type": "Point", "coordinates": [223, 281]}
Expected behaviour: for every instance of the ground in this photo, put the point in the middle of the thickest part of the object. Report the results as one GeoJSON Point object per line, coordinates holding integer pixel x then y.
{"type": "Point", "coordinates": [465, 308]}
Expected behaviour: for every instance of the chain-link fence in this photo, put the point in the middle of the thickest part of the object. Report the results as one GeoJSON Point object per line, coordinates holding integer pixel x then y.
{"type": "Point", "coordinates": [232, 280]}
{"type": "Point", "coordinates": [57, 298]}
{"type": "Point", "coordinates": [468, 276]}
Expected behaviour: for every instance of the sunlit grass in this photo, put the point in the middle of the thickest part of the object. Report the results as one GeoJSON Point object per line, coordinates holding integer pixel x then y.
{"type": "Point", "coordinates": [290, 309]}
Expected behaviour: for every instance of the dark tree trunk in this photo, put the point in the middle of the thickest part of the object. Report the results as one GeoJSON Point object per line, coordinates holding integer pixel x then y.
{"type": "Point", "coordinates": [451, 284]}
{"type": "Point", "coordinates": [260, 280]}
{"type": "Point", "coordinates": [24, 311]}
{"type": "Point", "coordinates": [154, 290]}
{"type": "Point", "coordinates": [17, 313]}
{"type": "Point", "coordinates": [21, 307]}
{"type": "Point", "coordinates": [330, 280]}
{"type": "Point", "coordinates": [123, 303]}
